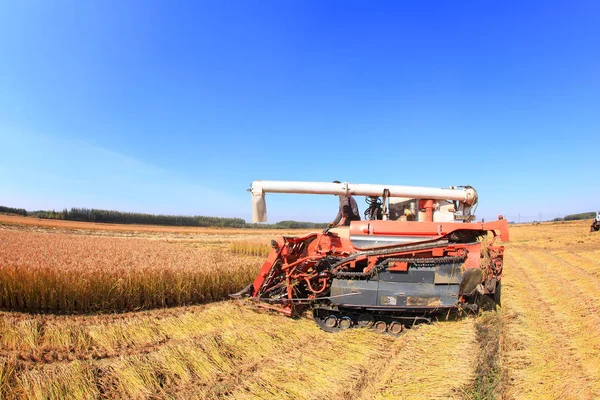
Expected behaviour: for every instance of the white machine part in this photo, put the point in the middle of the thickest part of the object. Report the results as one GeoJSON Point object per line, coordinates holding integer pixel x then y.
{"type": "Point", "coordinates": [408, 195]}
{"type": "Point", "coordinates": [403, 209]}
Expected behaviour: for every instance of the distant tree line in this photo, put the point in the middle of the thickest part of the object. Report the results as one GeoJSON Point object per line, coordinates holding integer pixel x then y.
{"type": "Point", "coordinates": [574, 217]}
{"type": "Point", "coordinates": [119, 217]}
{"type": "Point", "coordinates": [20, 211]}
{"type": "Point", "coordinates": [288, 225]}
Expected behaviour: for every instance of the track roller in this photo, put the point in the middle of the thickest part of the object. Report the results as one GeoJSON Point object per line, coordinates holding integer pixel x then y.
{"type": "Point", "coordinates": [395, 328]}
{"type": "Point", "coordinates": [331, 321]}
{"type": "Point", "coordinates": [345, 323]}
{"type": "Point", "coordinates": [365, 320]}
{"type": "Point", "coordinates": [380, 327]}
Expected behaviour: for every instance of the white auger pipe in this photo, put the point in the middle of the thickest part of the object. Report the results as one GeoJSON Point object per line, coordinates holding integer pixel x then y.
{"type": "Point", "coordinates": [467, 196]}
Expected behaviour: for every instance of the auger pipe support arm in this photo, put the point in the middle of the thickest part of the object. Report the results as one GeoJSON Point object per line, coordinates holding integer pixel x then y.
{"type": "Point", "coordinates": [466, 195]}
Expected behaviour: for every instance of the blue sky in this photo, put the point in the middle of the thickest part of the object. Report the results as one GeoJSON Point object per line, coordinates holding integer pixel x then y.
{"type": "Point", "coordinates": [176, 107]}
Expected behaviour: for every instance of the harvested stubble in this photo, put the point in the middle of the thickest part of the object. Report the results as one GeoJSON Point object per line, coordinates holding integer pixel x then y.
{"type": "Point", "coordinates": [250, 248]}
{"type": "Point", "coordinates": [225, 350]}
{"type": "Point", "coordinates": [433, 362]}
{"type": "Point", "coordinates": [551, 295]}
{"type": "Point", "coordinates": [64, 273]}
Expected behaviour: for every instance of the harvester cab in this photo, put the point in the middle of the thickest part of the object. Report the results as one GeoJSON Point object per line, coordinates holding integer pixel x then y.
{"type": "Point", "coordinates": [419, 255]}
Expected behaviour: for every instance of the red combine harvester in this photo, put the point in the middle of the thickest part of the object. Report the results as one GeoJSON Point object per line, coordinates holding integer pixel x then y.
{"type": "Point", "coordinates": [424, 258]}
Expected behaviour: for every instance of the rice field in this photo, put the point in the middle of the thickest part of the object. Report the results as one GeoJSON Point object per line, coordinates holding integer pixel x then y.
{"type": "Point", "coordinates": [250, 248]}
{"type": "Point", "coordinates": [61, 273]}
{"type": "Point", "coordinates": [142, 314]}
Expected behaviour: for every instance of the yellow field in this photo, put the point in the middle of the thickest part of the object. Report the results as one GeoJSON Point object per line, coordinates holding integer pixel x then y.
{"type": "Point", "coordinates": [544, 343]}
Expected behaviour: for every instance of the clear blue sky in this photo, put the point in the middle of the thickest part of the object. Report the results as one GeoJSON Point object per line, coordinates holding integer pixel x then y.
{"type": "Point", "coordinates": [176, 107]}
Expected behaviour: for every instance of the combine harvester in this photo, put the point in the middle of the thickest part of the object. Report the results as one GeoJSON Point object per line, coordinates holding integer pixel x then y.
{"type": "Point", "coordinates": [422, 259]}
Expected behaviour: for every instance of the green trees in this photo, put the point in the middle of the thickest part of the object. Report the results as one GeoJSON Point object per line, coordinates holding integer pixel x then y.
{"type": "Point", "coordinates": [289, 225]}
{"type": "Point", "coordinates": [587, 215]}
{"type": "Point", "coordinates": [120, 217]}
{"type": "Point", "coordinates": [20, 211]}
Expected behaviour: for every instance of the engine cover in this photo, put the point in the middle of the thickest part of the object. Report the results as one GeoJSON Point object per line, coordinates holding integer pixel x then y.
{"type": "Point", "coordinates": [419, 287]}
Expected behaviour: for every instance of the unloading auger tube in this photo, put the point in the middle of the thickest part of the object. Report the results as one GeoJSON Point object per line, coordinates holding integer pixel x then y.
{"type": "Point", "coordinates": [424, 260]}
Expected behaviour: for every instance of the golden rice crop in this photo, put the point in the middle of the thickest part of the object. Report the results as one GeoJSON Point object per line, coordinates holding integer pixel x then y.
{"type": "Point", "coordinates": [64, 273]}
{"type": "Point", "coordinates": [250, 248]}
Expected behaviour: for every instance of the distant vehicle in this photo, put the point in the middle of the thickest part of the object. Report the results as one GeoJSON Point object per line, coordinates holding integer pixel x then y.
{"type": "Point", "coordinates": [596, 223]}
